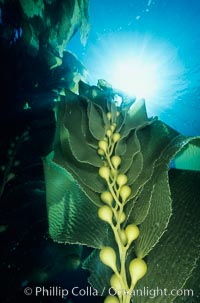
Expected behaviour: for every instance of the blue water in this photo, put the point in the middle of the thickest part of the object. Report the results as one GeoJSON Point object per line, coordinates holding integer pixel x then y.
{"type": "Point", "coordinates": [162, 34]}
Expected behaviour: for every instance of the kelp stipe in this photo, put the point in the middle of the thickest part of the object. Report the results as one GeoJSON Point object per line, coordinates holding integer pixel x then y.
{"type": "Point", "coordinates": [109, 187]}
{"type": "Point", "coordinates": [115, 198]}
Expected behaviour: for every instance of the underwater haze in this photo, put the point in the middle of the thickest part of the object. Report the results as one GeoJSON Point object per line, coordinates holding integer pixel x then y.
{"type": "Point", "coordinates": [149, 48]}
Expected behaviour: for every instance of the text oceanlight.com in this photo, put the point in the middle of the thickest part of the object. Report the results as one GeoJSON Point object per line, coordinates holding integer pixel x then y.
{"type": "Point", "coordinates": [153, 292]}
{"type": "Point", "coordinates": [57, 291]}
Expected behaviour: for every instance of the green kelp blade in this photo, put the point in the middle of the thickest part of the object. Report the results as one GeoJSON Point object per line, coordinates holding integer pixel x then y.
{"type": "Point", "coordinates": [113, 109]}
{"type": "Point", "coordinates": [192, 287]}
{"type": "Point", "coordinates": [96, 126]}
{"type": "Point", "coordinates": [88, 91]}
{"type": "Point", "coordinates": [158, 216]}
{"type": "Point", "coordinates": [142, 204]}
{"type": "Point", "coordinates": [72, 121]}
{"type": "Point", "coordinates": [91, 141]}
{"type": "Point", "coordinates": [160, 210]}
{"type": "Point", "coordinates": [72, 216]}
{"type": "Point", "coordinates": [173, 259]}
{"type": "Point", "coordinates": [133, 148]}
{"type": "Point", "coordinates": [93, 93]}
{"type": "Point", "coordinates": [121, 147]}
{"type": "Point", "coordinates": [153, 140]}
{"type": "Point", "coordinates": [136, 116]}
{"type": "Point", "coordinates": [99, 273]}
{"type": "Point", "coordinates": [82, 172]}
{"type": "Point", "coordinates": [189, 157]}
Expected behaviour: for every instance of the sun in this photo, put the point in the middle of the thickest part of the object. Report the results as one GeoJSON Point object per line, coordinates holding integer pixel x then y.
{"type": "Point", "coordinates": [136, 77]}
{"type": "Point", "coordinates": [139, 65]}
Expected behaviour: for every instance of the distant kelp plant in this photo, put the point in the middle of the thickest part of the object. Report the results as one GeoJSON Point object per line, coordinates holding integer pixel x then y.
{"type": "Point", "coordinates": [109, 187]}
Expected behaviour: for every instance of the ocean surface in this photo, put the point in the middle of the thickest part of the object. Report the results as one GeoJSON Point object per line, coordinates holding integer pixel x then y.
{"type": "Point", "coordinates": [149, 48]}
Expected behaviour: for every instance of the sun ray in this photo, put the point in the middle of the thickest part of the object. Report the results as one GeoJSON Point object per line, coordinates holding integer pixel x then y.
{"type": "Point", "coordinates": [140, 66]}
